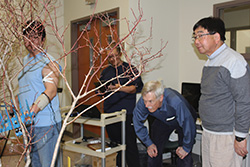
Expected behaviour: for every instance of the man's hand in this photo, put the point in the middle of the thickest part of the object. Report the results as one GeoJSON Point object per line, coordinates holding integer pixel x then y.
{"type": "Point", "coordinates": [181, 152]}
{"type": "Point", "coordinates": [152, 151]}
{"type": "Point", "coordinates": [126, 89]}
{"type": "Point", "coordinates": [241, 147]}
{"type": "Point", "coordinates": [113, 87]}
{"type": "Point", "coordinates": [34, 108]}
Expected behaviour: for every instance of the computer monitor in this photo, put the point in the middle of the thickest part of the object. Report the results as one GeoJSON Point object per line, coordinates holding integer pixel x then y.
{"type": "Point", "coordinates": [191, 92]}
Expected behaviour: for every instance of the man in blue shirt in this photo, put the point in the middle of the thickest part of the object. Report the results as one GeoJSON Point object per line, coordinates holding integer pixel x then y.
{"type": "Point", "coordinates": [124, 98]}
{"type": "Point", "coordinates": [172, 112]}
{"type": "Point", "coordinates": [38, 82]}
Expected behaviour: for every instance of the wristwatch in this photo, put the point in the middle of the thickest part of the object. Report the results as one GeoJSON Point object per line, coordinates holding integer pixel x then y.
{"type": "Point", "coordinates": [239, 139]}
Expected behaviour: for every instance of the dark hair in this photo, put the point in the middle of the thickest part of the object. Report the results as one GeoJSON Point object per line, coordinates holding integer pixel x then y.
{"type": "Point", "coordinates": [212, 24]}
{"type": "Point", "coordinates": [34, 26]}
{"type": "Point", "coordinates": [118, 48]}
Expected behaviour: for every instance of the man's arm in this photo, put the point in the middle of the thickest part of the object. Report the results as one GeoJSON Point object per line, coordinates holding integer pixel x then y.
{"type": "Point", "coordinates": [50, 80]}
{"type": "Point", "coordinates": [241, 120]}
{"type": "Point", "coordinates": [127, 89]}
{"type": "Point", "coordinates": [240, 88]}
{"type": "Point", "coordinates": [134, 87]}
{"type": "Point", "coordinates": [189, 129]}
{"type": "Point", "coordinates": [17, 100]}
{"type": "Point", "coordinates": [241, 97]}
{"type": "Point", "coordinates": [186, 121]}
{"type": "Point", "coordinates": [139, 116]}
{"type": "Point", "coordinates": [141, 131]}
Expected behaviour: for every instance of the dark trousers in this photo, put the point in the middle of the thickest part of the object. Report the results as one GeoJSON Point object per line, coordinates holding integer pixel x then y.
{"type": "Point", "coordinates": [160, 133]}
{"type": "Point", "coordinates": [131, 154]}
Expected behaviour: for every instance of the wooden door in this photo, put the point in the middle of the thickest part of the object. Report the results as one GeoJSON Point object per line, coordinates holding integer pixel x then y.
{"type": "Point", "coordinates": [85, 59]}
{"type": "Point", "coordinates": [99, 35]}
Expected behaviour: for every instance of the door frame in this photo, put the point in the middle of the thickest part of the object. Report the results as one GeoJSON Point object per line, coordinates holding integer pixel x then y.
{"type": "Point", "coordinates": [74, 56]}
{"type": "Point", "coordinates": [231, 4]}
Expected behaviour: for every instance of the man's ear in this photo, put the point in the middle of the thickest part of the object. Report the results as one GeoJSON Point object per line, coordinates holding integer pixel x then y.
{"type": "Point", "coordinates": [43, 42]}
{"type": "Point", "coordinates": [161, 98]}
{"type": "Point", "coordinates": [120, 54]}
{"type": "Point", "coordinates": [217, 37]}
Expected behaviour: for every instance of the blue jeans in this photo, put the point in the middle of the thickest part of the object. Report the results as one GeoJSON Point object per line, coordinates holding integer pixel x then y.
{"type": "Point", "coordinates": [43, 144]}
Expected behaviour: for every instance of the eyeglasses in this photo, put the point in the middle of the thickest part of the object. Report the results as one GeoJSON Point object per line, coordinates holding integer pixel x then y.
{"type": "Point", "coordinates": [199, 36]}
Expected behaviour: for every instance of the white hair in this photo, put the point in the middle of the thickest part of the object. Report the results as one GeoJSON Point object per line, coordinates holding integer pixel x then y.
{"type": "Point", "coordinates": [153, 86]}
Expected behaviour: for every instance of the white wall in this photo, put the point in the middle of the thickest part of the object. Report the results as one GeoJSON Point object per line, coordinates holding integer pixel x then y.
{"type": "Point", "coordinates": [191, 62]}
{"type": "Point", "coordinates": [52, 43]}
{"type": "Point", "coordinates": [165, 27]}
{"type": "Point", "coordinates": [75, 10]}
{"type": "Point", "coordinates": [173, 21]}
{"type": "Point", "coordinates": [53, 46]}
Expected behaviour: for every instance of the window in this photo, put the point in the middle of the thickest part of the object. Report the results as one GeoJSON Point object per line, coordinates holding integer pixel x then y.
{"type": "Point", "coordinates": [236, 15]}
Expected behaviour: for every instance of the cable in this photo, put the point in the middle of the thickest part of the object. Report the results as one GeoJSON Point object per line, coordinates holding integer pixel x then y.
{"type": "Point", "coordinates": [5, 144]}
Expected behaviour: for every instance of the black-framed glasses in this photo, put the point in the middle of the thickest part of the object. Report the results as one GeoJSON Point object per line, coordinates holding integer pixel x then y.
{"type": "Point", "coordinates": [199, 36]}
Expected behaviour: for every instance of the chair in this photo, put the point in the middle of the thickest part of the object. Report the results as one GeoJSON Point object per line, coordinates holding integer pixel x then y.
{"type": "Point", "coordinates": [171, 146]}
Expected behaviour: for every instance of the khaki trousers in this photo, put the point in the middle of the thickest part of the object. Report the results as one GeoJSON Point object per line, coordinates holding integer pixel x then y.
{"type": "Point", "coordinates": [218, 151]}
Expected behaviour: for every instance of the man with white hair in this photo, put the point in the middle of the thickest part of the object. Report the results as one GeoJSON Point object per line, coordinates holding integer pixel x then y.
{"type": "Point", "coordinates": [172, 112]}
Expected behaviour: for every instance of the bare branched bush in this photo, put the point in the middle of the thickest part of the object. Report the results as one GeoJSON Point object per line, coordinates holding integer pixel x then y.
{"type": "Point", "coordinates": [14, 14]}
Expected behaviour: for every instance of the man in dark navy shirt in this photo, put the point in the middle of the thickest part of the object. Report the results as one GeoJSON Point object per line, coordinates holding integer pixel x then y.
{"type": "Point", "coordinates": [172, 112]}
{"type": "Point", "coordinates": [125, 98]}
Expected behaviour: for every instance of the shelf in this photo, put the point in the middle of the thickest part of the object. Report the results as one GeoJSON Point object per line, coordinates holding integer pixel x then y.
{"type": "Point", "coordinates": [84, 149]}
{"type": "Point", "coordinates": [106, 119]}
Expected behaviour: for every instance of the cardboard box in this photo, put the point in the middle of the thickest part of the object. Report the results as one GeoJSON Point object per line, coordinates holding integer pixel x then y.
{"type": "Point", "coordinates": [110, 161]}
{"type": "Point", "coordinates": [70, 157]}
{"type": "Point", "coordinates": [13, 160]}
{"type": "Point", "coordinates": [14, 146]}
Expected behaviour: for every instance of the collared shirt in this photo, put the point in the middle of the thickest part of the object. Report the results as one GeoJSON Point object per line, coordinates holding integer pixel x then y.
{"type": "Point", "coordinates": [121, 100]}
{"type": "Point", "coordinates": [216, 53]}
{"type": "Point", "coordinates": [174, 111]}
